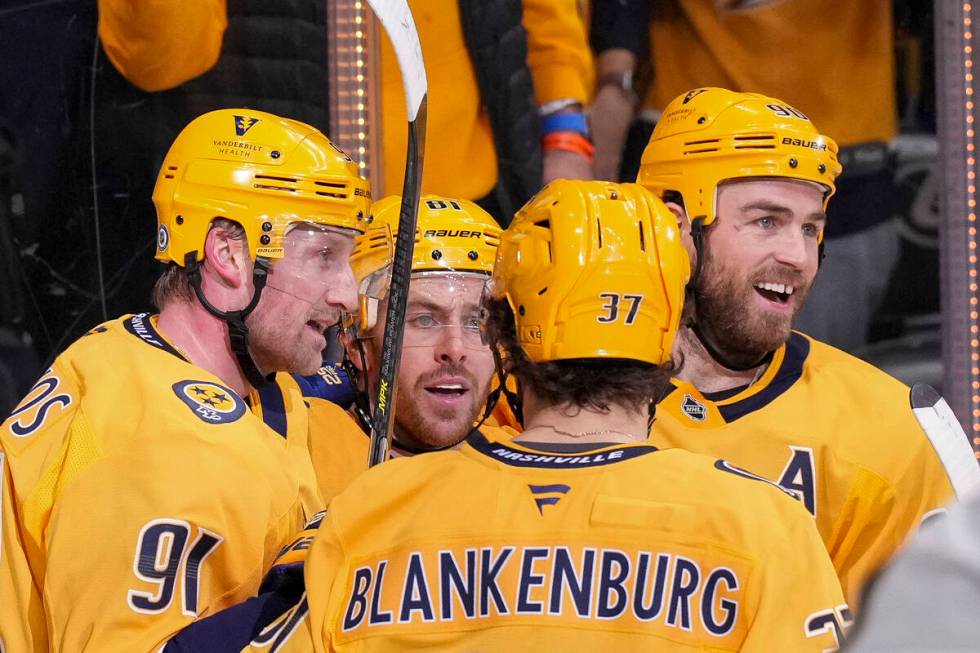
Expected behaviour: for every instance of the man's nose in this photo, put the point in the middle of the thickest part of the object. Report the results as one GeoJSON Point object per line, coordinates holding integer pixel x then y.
{"type": "Point", "coordinates": [343, 292]}
{"type": "Point", "coordinates": [449, 347]}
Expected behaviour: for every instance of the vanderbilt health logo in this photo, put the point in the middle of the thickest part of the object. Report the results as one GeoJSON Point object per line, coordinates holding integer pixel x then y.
{"type": "Point", "coordinates": [212, 403]}
{"type": "Point", "coordinates": [243, 124]}
{"type": "Point", "coordinates": [692, 94]}
{"type": "Point", "coordinates": [694, 409]}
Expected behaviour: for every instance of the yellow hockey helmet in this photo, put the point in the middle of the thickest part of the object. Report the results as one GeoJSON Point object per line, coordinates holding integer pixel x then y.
{"type": "Point", "coordinates": [259, 170]}
{"type": "Point", "coordinates": [452, 235]}
{"type": "Point", "coordinates": [711, 135]}
{"type": "Point", "coordinates": [593, 269]}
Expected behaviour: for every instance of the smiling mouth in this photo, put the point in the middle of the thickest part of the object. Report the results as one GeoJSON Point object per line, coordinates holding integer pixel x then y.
{"type": "Point", "coordinates": [447, 389]}
{"type": "Point", "coordinates": [778, 293]}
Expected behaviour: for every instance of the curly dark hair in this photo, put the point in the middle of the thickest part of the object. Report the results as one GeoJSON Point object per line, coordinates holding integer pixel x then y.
{"type": "Point", "coordinates": [590, 383]}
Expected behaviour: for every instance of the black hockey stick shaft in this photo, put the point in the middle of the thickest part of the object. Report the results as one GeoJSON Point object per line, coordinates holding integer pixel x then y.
{"type": "Point", "coordinates": [382, 421]}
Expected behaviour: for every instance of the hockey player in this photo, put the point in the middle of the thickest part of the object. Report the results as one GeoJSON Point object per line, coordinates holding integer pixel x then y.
{"type": "Point", "coordinates": [579, 535]}
{"type": "Point", "coordinates": [139, 490]}
{"type": "Point", "coordinates": [445, 368]}
{"type": "Point", "coordinates": [751, 175]}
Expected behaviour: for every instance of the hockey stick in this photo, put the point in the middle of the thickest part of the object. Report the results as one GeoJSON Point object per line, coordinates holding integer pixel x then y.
{"type": "Point", "coordinates": [397, 20]}
{"type": "Point", "coordinates": [947, 437]}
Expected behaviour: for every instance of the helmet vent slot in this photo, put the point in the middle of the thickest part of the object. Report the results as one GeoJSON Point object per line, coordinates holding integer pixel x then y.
{"type": "Point", "coordinates": [755, 142]}
{"type": "Point", "coordinates": [337, 190]}
{"type": "Point", "coordinates": [643, 241]}
{"type": "Point", "coordinates": [268, 187]}
{"type": "Point", "coordinates": [543, 291]}
{"type": "Point", "coordinates": [598, 228]}
{"type": "Point", "coordinates": [706, 145]}
{"type": "Point", "coordinates": [287, 180]}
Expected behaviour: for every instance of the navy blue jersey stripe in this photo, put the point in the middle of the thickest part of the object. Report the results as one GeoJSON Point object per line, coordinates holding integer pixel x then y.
{"type": "Point", "coordinates": [141, 327]}
{"type": "Point", "coordinates": [790, 370]}
{"type": "Point", "coordinates": [523, 458]}
{"type": "Point", "coordinates": [273, 408]}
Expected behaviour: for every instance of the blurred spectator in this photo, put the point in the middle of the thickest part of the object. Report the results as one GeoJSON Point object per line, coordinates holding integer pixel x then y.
{"type": "Point", "coordinates": [839, 71]}
{"type": "Point", "coordinates": [924, 601]}
{"type": "Point", "coordinates": [483, 130]}
{"type": "Point", "coordinates": [97, 130]}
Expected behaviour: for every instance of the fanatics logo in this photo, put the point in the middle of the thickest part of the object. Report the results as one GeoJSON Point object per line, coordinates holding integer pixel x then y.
{"type": "Point", "coordinates": [243, 124]}
{"type": "Point", "coordinates": [547, 495]}
{"type": "Point", "coordinates": [212, 403]}
{"type": "Point", "coordinates": [694, 409]}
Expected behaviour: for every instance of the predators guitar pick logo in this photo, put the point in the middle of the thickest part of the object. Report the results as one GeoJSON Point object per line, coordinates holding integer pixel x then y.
{"type": "Point", "coordinates": [243, 124]}
{"type": "Point", "coordinates": [212, 403]}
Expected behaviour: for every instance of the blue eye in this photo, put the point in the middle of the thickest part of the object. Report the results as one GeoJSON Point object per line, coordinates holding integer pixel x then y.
{"type": "Point", "coordinates": [766, 223]}
{"type": "Point", "coordinates": [811, 230]}
{"type": "Point", "coordinates": [423, 321]}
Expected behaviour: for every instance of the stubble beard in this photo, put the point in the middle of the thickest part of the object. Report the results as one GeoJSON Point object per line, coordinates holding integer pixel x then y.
{"type": "Point", "coordinates": [276, 345]}
{"type": "Point", "coordinates": [440, 427]}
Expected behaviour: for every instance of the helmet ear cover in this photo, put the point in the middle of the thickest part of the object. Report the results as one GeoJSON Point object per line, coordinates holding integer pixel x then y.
{"type": "Point", "coordinates": [712, 135]}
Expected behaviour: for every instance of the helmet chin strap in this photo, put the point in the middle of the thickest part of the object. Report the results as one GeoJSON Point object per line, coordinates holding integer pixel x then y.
{"type": "Point", "coordinates": [697, 235]}
{"type": "Point", "coordinates": [237, 329]}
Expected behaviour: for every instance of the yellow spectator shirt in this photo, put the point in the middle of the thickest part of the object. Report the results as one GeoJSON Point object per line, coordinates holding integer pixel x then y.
{"type": "Point", "coordinates": [832, 60]}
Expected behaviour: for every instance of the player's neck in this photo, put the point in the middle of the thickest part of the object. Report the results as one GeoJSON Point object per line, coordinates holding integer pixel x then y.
{"type": "Point", "coordinates": [203, 339]}
{"type": "Point", "coordinates": [550, 423]}
{"type": "Point", "coordinates": [705, 373]}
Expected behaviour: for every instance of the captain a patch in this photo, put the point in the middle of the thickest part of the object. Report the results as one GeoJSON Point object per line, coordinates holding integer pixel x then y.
{"type": "Point", "coordinates": [212, 403]}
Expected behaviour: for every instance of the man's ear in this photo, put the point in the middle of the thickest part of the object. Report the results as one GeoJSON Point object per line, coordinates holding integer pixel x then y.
{"type": "Point", "coordinates": [227, 257]}
{"type": "Point", "coordinates": [680, 215]}
{"type": "Point", "coordinates": [684, 226]}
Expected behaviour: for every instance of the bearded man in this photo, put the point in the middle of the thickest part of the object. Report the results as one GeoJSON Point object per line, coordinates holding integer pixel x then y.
{"type": "Point", "coordinates": [751, 176]}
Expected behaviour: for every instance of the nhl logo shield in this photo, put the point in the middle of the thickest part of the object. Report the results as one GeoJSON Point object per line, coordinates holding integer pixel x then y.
{"type": "Point", "coordinates": [694, 409]}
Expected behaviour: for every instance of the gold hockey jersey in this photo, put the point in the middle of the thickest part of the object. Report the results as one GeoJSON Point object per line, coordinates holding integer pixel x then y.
{"type": "Point", "coordinates": [837, 433]}
{"type": "Point", "coordinates": [139, 493]}
{"type": "Point", "coordinates": [497, 547]}
{"type": "Point", "coordinates": [340, 446]}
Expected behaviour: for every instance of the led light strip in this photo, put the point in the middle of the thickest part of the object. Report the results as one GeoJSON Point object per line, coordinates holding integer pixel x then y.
{"type": "Point", "coordinates": [353, 83]}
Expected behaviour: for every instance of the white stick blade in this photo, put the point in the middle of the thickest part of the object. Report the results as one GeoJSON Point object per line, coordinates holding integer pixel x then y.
{"type": "Point", "coordinates": [397, 20]}
{"type": "Point", "coordinates": [951, 443]}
